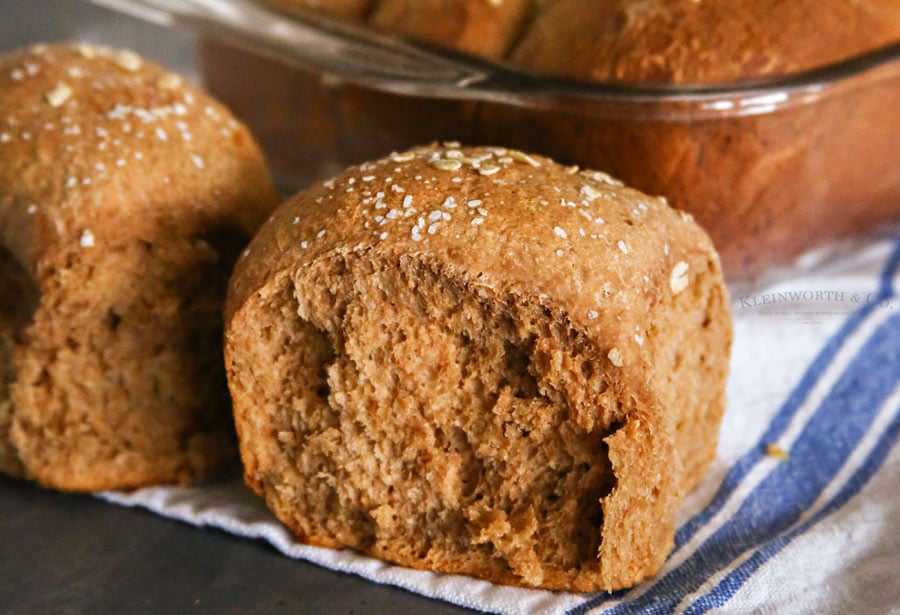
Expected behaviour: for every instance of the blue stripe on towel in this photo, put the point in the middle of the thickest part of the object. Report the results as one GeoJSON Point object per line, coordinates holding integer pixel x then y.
{"type": "Point", "coordinates": [655, 600]}
{"type": "Point", "coordinates": [736, 579]}
{"type": "Point", "coordinates": [783, 418]}
{"type": "Point", "coordinates": [819, 453]}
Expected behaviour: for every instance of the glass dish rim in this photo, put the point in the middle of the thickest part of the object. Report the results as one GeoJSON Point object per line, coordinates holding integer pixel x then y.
{"type": "Point", "coordinates": [349, 52]}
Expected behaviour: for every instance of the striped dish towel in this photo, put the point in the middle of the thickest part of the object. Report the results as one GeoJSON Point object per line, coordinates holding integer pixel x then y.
{"type": "Point", "coordinates": [800, 511]}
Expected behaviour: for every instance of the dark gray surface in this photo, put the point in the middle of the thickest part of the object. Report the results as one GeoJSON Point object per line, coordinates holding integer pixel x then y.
{"type": "Point", "coordinates": [64, 553]}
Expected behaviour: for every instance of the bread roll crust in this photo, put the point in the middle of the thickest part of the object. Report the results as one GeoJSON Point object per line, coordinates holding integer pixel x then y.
{"type": "Point", "coordinates": [124, 195]}
{"type": "Point", "coordinates": [479, 27]}
{"type": "Point", "coordinates": [474, 360]}
{"type": "Point", "coordinates": [351, 9]}
{"type": "Point", "coordinates": [758, 183]}
{"type": "Point", "coordinates": [700, 41]}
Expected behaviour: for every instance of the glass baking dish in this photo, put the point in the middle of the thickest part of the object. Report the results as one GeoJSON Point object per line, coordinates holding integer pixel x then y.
{"type": "Point", "coordinates": [771, 168]}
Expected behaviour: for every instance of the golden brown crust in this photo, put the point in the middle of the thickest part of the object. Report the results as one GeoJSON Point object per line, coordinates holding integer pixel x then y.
{"type": "Point", "coordinates": [701, 41]}
{"type": "Point", "coordinates": [613, 300]}
{"type": "Point", "coordinates": [275, 246]}
{"type": "Point", "coordinates": [479, 27]}
{"type": "Point", "coordinates": [91, 125]}
{"type": "Point", "coordinates": [754, 182]}
{"type": "Point", "coordinates": [765, 187]}
{"type": "Point", "coordinates": [353, 9]}
{"type": "Point", "coordinates": [123, 195]}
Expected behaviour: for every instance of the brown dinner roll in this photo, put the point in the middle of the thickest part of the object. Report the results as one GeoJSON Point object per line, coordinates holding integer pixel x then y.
{"type": "Point", "coordinates": [700, 41]}
{"type": "Point", "coordinates": [769, 174]}
{"type": "Point", "coordinates": [125, 196]}
{"type": "Point", "coordinates": [477, 361]}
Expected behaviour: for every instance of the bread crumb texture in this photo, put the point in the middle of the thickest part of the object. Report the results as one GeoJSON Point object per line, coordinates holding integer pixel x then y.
{"type": "Point", "coordinates": [125, 197]}
{"type": "Point", "coordinates": [445, 360]}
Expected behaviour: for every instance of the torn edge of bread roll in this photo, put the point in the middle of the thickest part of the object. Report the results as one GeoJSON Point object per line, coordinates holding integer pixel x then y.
{"type": "Point", "coordinates": [125, 197]}
{"type": "Point", "coordinates": [477, 361]}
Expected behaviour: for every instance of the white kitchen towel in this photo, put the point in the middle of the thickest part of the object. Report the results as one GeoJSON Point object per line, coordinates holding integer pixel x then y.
{"type": "Point", "coordinates": [800, 511]}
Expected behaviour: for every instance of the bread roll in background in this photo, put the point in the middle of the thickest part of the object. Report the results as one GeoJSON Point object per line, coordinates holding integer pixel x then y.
{"type": "Point", "coordinates": [480, 27]}
{"type": "Point", "coordinates": [768, 176]}
{"type": "Point", "coordinates": [125, 196]}
{"type": "Point", "coordinates": [351, 9]}
{"type": "Point", "coordinates": [375, 122]}
{"type": "Point", "coordinates": [477, 361]}
{"type": "Point", "coordinates": [705, 42]}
